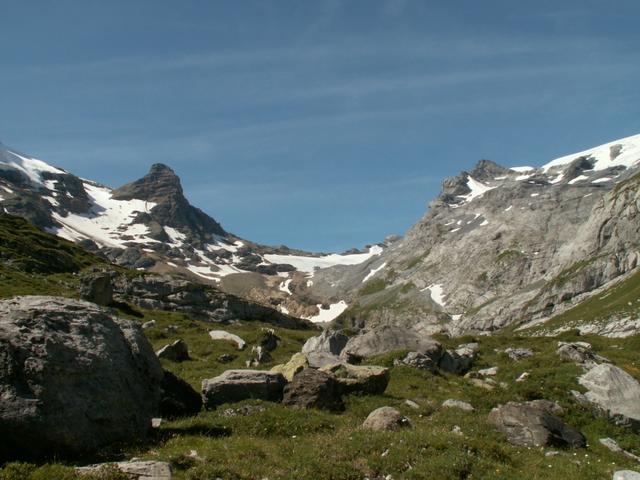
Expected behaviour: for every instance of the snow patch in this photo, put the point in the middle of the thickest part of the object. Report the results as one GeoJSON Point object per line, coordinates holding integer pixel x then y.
{"type": "Point", "coordinates": [477, 189]}
{"type": "Point", "coordinates": [602, 180]}
{"type": "Point", "coordinates": [373, 272]}
{"type": "Point", "coordinates": [284, 287]}
{"type": "Point", "coordinates": [329, 314]}
{"type": "Point", "coordinates": [522, 169]}
{"type": "Point", "coordinates": [579, 178]}
{"type": "Point", "coordinates": [436, 292]}
{"type": "Point", "coordinates": [310, 264]}
{"type": "Point", "coordinates": [604, 156]}
{"type": "Point", "coordinates": [32, 168]}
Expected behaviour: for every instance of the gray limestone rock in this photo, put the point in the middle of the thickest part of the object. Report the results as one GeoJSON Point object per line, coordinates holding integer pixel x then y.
{"type": "Point", "coordinates": [614, 392]}
{"type": "Point", "coordinates": [532, 424]}
{"type": "Point", "coordinates": [237, 385]}
{"type": "Point", "coordinates": [135, 469]}
{"type": "Point", "coordinates": [386, 418]}
{"type": "Point", "coordinates": [313, 388]}
{"type": "Point", "coordinates": [387, 339]}
{"type": "Point", "coordinates": [73, 378]}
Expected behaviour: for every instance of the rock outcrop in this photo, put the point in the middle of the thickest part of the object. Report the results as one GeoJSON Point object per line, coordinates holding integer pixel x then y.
{"type": "Point", "coordinates": [73, 378]}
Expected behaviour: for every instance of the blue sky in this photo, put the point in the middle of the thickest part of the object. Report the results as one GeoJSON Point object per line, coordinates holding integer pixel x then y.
{"type": "Point", "coordinates": [319, 124]}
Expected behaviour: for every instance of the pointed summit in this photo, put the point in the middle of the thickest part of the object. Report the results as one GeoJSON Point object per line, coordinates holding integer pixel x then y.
{"type": "Point", "coordinates": [160, 185]}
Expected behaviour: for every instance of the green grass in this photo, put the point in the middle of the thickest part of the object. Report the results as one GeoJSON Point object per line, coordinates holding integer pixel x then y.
{"type": "Point", "coordinates": [373, 286]}
{"type": "Point", "coordinates": [281, 443]}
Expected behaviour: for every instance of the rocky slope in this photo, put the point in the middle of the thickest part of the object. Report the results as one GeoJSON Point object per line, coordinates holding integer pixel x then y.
{"type": "Point", "coordinates": [498, 247]}
{"type": "Point", "coordinates": [503, 246]}
{"type": "Point", "coordinates": [149, 224]}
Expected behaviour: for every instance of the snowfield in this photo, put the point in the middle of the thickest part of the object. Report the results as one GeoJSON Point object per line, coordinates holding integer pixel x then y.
{"type": "Point", "coordinates": [333, 312]}
{"type": "Point", "coordinates": [310, 264]}
{"type": "Point", "coordinates": [624, 152]}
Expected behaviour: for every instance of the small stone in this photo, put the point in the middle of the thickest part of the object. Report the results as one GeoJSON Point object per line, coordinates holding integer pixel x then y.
{"type": "Point", "coordinates": [459, 404]}
{"type": "Point", "coordinates": [156, 422]}
{"type": "Point", "coordinates": [551, 453]}
{"type": "Point", "coordinates": [457, 430]}
{"type": "Point", "coordinates": [386, 418]}
{"type": "Point", "coordinates": [488, 372]}
{"type": "Point", "coordinates": [517, 354]}
{"type": "Point", "coordinates": [523, 377]}
{"type": "Point", "coordinates": [412, 404]}
{"type": "Point", "coordinates": [149, 324]}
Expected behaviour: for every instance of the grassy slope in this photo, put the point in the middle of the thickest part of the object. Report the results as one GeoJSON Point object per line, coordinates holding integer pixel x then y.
{"type": "Point", "coordinates": [281, 443]}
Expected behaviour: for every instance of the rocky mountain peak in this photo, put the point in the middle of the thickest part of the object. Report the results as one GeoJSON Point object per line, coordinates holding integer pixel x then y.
{"type": "Point", "coordinates": [160, 185]}
{"type": "Point", "coordinates": [488, 170]}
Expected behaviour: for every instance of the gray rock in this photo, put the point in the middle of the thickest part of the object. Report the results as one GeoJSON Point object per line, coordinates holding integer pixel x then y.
{"type": "Point", "coordinates": [329, 341]}
{"type": "Point", "coordinates": [579, 352]}
{"type": "Point", "coordinates": [459, 404]}
{"type": "Point", "coordinates": [176, 351]}
{"type": "Point", "coordinates": [611, 444]}
{"type": "Point", "coordinates": [229, 337]}
{"type": "Point", "coordinates": [149, 324]}
{"type": "Point", "coordinates": [517, 354]}
{"type": "Point", "coordinates": [242, 411]}
{"type": "Point", "coordinates": [226, 358]}
{"type": "Point", "coordinates": [615, 393]}
{"type": "Point", "coordinates": [626, 475]}
{"type": "Point", "coordinates": [386, 418]}
{"type": "Point", "coordinates": [418, 360]}
{"type": "Point", "coordinates": [313, 389]}
{"type": "Point", "coordinates": [387, 339]}
{"type": "Point", "coordinates": [532, 424]}
{"type": "Point", "coordinates": [237, 385]}
{"type": "Point", "coordinates": [360, 379]}
{"type": "Point", "coordinates": [136, 470]}
{"type": "Point", "coordinates": [73, 378]}
{"type": "Point", "coordinates": [96, 288]}
{"type": "Point", "coordinates": [178, 398]}
{"type": "Point", "coordinates": [324, 349]}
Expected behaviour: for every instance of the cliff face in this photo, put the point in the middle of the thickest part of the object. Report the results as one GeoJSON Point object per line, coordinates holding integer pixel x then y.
{"type": "Point", "coordinates": [504, 246]}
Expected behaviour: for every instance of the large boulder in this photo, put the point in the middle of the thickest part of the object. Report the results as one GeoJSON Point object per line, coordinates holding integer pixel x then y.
{"type": "Point", "coordinates": [73, 378]}
{"type": "Point", "coordinates": [360, 379]}
{"type": "Point", "coordinates": [324, 349]}
{"type": "Point", "coordinates": [387, 339]}
{"type": "Point", "coordinates": [386, 418]}
{"type": "Point", "coordinates": [626, 475]}
{"type": "Point", "coordinates": [313, 388]}
{"type": "Point", "coordinates": [534, 424]}
{"type": "Point", "coordinates": [178, 398]}
{"type": "Point", "coordinates": [237, 385]}
{"type": "Point", "coordinates": [614, 392]}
